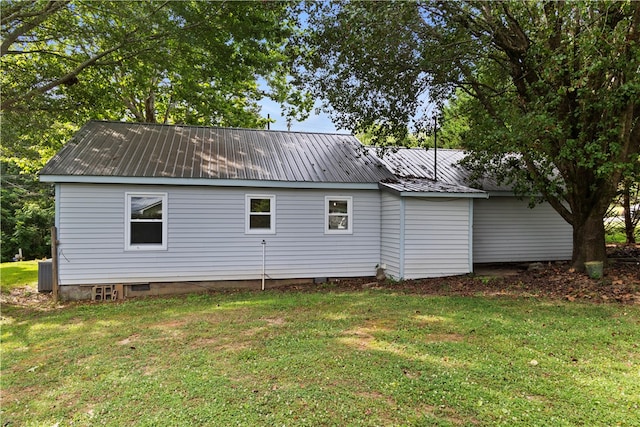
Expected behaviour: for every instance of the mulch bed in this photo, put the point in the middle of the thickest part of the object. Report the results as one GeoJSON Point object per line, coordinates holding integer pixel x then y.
{"type": "Point", "coordinates": [621, 281]}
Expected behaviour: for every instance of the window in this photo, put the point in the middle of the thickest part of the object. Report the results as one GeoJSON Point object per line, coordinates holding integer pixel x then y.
{"type": "Point", "coordinates": [260, 214]}
{"type": "Point", "coordinates": [146, 221]}
{"type": "Point", "coordinates": [338, 215]}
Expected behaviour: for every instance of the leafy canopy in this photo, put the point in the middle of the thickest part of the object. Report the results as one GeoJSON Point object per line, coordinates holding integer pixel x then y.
{"type": "Point", "coordinates": [171, 61]}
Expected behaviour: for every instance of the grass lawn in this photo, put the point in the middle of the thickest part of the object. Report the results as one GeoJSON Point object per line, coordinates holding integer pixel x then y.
{"type": "Point", "coordinates": [372, 357]}
{"type": "Point", "coordinates": [15, 274]}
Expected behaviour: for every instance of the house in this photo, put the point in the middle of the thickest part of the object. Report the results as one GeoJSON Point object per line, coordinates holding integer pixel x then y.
{"type": "Point", "coordinates": [163, 209]}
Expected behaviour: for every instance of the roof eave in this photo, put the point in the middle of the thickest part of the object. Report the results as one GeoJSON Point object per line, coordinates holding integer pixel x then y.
{"type": "Point", "coordinates": [122, 180]}
{"type": "Point", "coordinates": [466, 195]}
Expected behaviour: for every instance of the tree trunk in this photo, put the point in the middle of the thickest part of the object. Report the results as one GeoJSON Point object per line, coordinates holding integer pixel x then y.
{"type": "Point", "coordinates": [628, 223]}
{"type": "Point", "coordinates": [150, 108]}
{"type": "Point", "coordinates": [588, 241]}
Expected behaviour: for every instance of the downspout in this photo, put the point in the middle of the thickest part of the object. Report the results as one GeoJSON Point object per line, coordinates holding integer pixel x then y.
{"type": "Point", "coordinates": [401, 243]}
{"type": "Point", "coordinates": [471, 202]}
{"type": "Point", "coordinates": [264, 247]}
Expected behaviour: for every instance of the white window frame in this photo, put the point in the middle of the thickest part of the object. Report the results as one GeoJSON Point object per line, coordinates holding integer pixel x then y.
{"type": "Point", "coordinates": [327, 201]}
{"type": "Point", "coordinates": [248, 214]}
{"type": "Point", "coordinates": [127, 223]}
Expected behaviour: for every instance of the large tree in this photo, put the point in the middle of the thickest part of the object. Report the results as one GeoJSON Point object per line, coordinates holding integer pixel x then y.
{"type": "Point", "coordinates": [68, 61]}
{"type": "Point", "coordinates": [153, 61]}
{"type": "Point", "coordinates": [554, 88]}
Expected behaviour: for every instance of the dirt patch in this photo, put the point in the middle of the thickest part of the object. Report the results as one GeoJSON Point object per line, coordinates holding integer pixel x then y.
{"type": "Point", "coordinates": [376, 395]}
{"type": "Point", "coordinates": [444, 338]}
{"type": "Point", "coordinates": [129, 339]}
{"type": "Point", "coordinates": [29, 297]}
{"type": "Point", "coordinates": [360, 338]}
{"type": "Point", "coordinates": [171, 324]}
{"type": "Point", "coordinates": [274, 321]}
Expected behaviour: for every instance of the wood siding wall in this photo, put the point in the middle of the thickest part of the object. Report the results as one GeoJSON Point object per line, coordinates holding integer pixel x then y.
{"type": "Point", "coordinates": [507, 230]}
{"type": "Point", "coordinates": [206, 236]}
{"type": "Point", "coordinates": [436, 237]}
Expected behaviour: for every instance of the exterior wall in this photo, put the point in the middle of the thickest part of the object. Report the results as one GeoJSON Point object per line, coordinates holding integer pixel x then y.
{"type": "Point", "coordinates": [507, 230]}
{"type": "Point", "coordinates": [390, 234]}
{"type": "Point", "coordinates": [206, 238]}
{"type": "Point", "coordinates": [437, 237]}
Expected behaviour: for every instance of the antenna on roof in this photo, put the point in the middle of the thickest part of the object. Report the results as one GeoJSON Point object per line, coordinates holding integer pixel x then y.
{"type": "Point", "coordinates": [435, 147]}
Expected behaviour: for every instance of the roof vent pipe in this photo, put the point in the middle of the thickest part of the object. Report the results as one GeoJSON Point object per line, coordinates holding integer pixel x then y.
{"type": "Point", "coordinates": [435, 147]}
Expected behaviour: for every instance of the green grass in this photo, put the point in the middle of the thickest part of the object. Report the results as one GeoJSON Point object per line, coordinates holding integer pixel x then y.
{"type": "Point", "coordinates": [17, 274]}
{"type": "Point", "coordinates": [618, 235]}
{"type": "Point", "coordinates": [365, 358]}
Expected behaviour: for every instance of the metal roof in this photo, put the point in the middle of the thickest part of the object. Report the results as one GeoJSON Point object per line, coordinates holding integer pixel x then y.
{"type": "Point", "coordinates": [418, 164]}
{"type": "Point", "coordinates": [119, 149]}
{"type": "Point", "coordinates": [421, 187]}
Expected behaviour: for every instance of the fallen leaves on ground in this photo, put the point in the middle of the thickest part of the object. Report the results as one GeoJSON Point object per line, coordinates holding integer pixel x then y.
{"type": "Point", "coordinates": [620, 283]}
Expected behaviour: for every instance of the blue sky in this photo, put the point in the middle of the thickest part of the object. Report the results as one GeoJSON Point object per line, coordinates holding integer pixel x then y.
{"type": "Point", "coordinates": [315, 123]}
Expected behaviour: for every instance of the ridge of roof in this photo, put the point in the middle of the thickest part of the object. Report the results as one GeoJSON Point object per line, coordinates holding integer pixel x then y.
{"type": "Point", "coordinates": [184, 125]}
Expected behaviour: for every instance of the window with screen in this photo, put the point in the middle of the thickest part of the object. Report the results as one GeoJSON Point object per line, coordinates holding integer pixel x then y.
{"type": "Point", "coordinates": [260, 214]}
{"type": "Point", "coordinates": [146, 218]}
{"type": "Point", "coordinates": [338, 215]}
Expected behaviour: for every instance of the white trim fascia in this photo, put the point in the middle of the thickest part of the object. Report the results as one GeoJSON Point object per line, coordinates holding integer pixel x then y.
{"type": "Point", "coordinates": [255, 183]}
{"type": "Point", "coordinates": [479, 194]}
{"type": "Point", "coordinates": [443, 195]}
{"type": "Point", "coordinates": [502, 194]}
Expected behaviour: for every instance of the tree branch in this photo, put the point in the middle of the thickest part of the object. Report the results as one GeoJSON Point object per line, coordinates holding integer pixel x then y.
{"type": "Point", "coordinates": [50, 9]}
{"type": "Point", "coordinates": [9, 103]}
{"type": "Point", "coordinates": [555, 203]}
{"type": "Point", "coordinates": [13, 12]}
{"type": "Point", "coordinates": [6, 104]}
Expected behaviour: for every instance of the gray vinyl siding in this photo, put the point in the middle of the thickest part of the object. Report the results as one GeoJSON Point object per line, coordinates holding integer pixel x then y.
{"type": "Point", "coordinates": [390, 233]}
{"type": "Point", "coordinates": [206, 237]}
{"type": "Point", "coordinates": [507, 230]}
{"type": "Point", "coordinates": [436, 237]}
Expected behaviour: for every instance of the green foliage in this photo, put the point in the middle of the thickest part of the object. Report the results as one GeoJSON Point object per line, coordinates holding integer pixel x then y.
{"type": "Point", "coordinates": [364, 59]}
{"type": "Point", "coordinates": [623, 216]}
{"type": "Point", "coordinates": [370, 137]}
{"type": "Point", "coordinates": [456, 125]}
{"type": "Point", "coordinates": [355, 358]}
{"type": "Point", "coordinates": [27, 213]}
{"type": "Point", "coordinates": [615, 234]}
{"type": "Point", "coordinates": [173, 62]}
{"type": "Point", "coordinates": [32, 233]}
